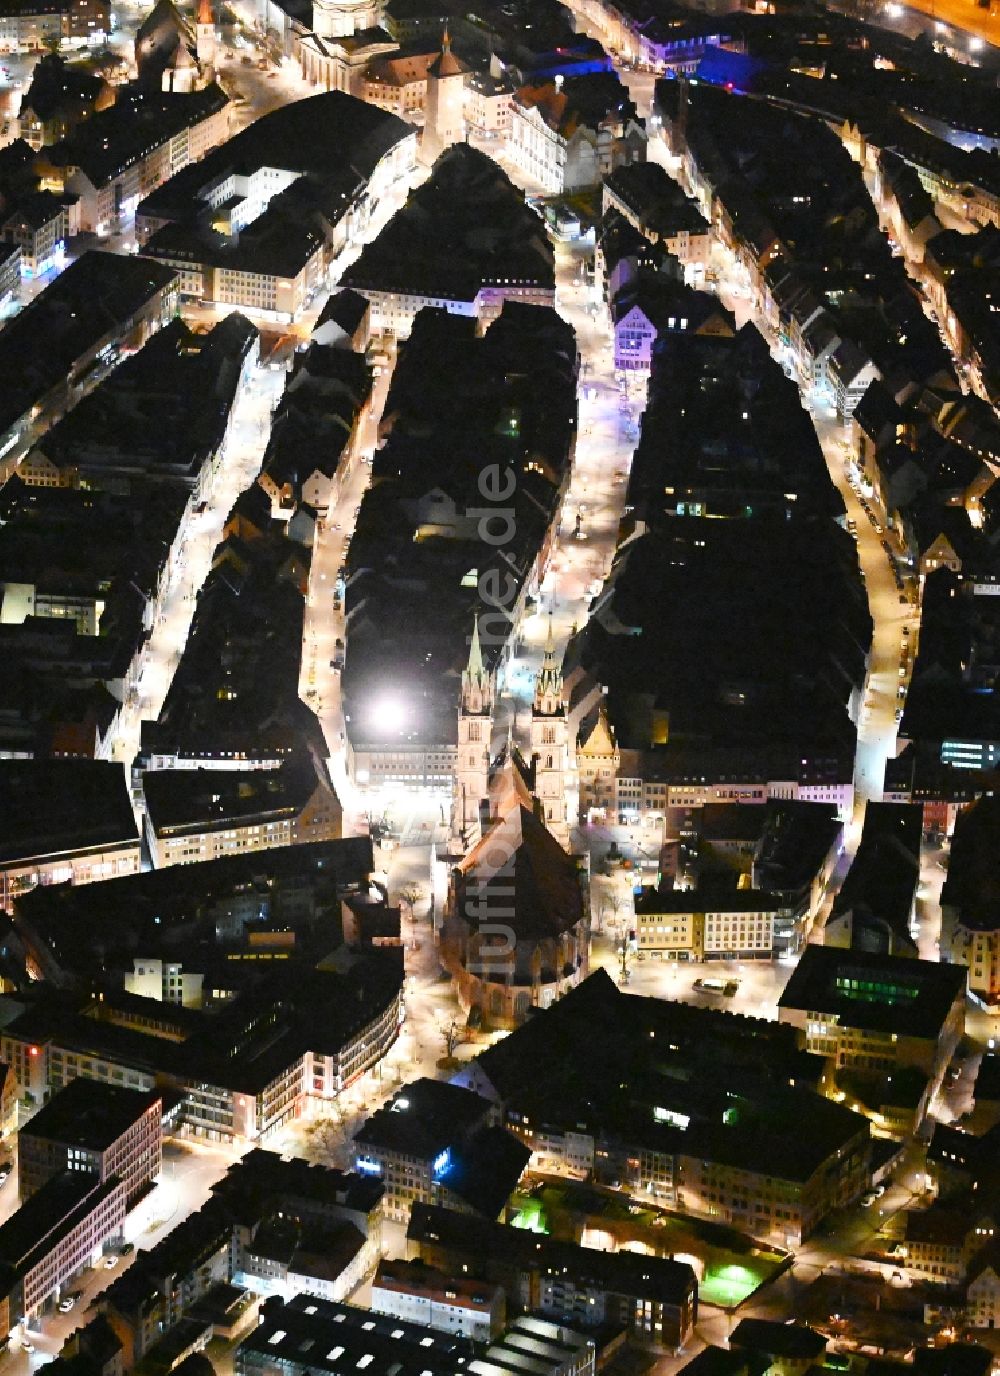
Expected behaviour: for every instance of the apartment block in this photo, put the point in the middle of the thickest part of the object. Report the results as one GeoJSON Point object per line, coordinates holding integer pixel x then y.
{"type": "Point", "coordinates": [418, 1293]}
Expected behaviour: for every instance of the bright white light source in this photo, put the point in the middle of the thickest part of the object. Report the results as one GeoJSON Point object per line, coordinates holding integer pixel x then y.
{"type": "Point", "coordinates": [388, 714]}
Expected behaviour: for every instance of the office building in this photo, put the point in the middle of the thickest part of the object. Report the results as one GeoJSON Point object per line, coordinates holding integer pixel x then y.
{"type": "Point", "coordinates": [239, 1072]}
{"type": "Point", "coordinates": [89, 1126]}
{"type": "Point", "coordinates": [727, 1123]}
{"type": "Point", "coordinates": [876, 1012]}
{"type": "Point", "coordinates": [51, 1238]}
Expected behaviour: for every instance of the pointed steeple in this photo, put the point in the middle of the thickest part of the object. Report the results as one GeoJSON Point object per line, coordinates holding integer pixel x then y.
{"type": "Point", "coordinates": [549, 685]}
{"type": "Point", "coordinates": [477, 681]}
{"type": "Point", "coordinates": [446, 63]}
{"type": "Point", "coordinates": [205, 15]}
{"type": "Point", "coordinates": [474, 669]}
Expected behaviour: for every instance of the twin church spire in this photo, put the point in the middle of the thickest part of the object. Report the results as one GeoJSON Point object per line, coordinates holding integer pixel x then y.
{"type": "Point", "coordinates": [550, 753]}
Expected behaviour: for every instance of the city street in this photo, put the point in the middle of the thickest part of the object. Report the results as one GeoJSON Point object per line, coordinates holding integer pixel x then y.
{"type": "Point", "coordinates": [189, 1171]}
{"type": "Point", "coordinates": [583, 551]}
{"type": "Point", "coordinates": [237, 468]}
{"type": "Point", "coordinates": [431, 1009]}
{"type": "Point", "coordinates": [894, 623]}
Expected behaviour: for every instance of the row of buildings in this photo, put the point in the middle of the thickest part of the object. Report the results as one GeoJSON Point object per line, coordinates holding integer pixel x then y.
{"type": "Point", "coordinates": [433, 253]}
{"type": "Point", "coordinates": [96, 523]}
{"type": "Point", "coordinates": [86, 152]}
{"type": "Point", "coordinates": [529, 85]}
{"type": "Point", "coordinates": [479, 432]}
{"type": "Point", "coordinates": [64, 341]}
{"type": "Point", "coordinates": [257, 223]}
{"type": "Point", "coordinates": [754, 879]}
{"type": "Point", "coordinates": [801, 262]}
{"type": "Point", "coordinates": [708, 1145]}
{"type": "Point", "coordinates": [239, 1004]}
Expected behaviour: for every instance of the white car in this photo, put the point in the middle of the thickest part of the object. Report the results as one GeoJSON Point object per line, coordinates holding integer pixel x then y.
{"type": "Point", "coordinates": [66, 1304]}
{"type": "Point", "coordinates": [110, 1263]}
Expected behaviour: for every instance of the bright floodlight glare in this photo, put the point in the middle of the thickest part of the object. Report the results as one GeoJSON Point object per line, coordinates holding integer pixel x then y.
{"type": "Point", "coordinates": [388, 714]}
{"type": "Point", "coordinates": [976, 43]}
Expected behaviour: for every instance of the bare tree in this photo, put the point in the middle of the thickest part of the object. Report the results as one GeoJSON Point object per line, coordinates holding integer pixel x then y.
{"type": "Point", "coordinates": [612, 902]}
{"type": "Point", "coordinates": [411, 894]}
{"type": "Point", "coordinates": [452, 1036]}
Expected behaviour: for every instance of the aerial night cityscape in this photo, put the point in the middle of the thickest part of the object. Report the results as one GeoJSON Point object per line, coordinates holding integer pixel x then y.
{"type": "Point", "coordinates": [500, 687]}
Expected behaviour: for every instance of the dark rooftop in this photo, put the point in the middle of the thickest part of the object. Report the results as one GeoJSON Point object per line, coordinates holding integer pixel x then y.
{"type": "Point", "coordinates": [972, 886]}
{"type": "Point", "coordinates": [183, 800]}
{"type": "Point", "coordinates": [791, 1340]}
{"type": "Point", "coordinates": [50, 807]}
{"type": "Point", "coordinates": [263, 1176]}
{"type": "Point", "coordinates": [95, 298]}
{"type": "Point", "coordinates": [89, 1114]}
{"type": "Point", "coordinates": [424, 1119]}
{"type": "Point", "coordinates": [956, 1359]}
{"type": "Point", "coordinates": [325, 1336]}
{"type": "Point", "coordinates": [891, 993]}
{"type": "Point", "coordinates": [437, 244]}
